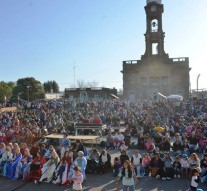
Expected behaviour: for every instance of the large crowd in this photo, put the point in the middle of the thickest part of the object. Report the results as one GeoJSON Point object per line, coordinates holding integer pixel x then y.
{"type": "Point", "coordinates": [172, 135]}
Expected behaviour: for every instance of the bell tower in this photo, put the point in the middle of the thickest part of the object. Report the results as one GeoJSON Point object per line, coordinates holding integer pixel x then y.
{"type": "Point", "coordinates": [154, 35]}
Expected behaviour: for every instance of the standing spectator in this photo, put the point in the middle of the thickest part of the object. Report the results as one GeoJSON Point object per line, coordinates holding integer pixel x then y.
{"type": "Point", "coordinates": [64, 143]}
{"type": "Point", "coordinates": [128, 177]}
{"type": "Point", "coordinates": [194, 179]}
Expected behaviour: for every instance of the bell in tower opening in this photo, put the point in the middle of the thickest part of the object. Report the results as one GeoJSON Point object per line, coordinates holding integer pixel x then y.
{"type": "Point", "coordinates": [155, 71]}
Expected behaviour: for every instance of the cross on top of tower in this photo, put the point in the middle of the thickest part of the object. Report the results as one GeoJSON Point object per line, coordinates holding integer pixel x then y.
{"type": "Point", "coordinates": [154, 1]}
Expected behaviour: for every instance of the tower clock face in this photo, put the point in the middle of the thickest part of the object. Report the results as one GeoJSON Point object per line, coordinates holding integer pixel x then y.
{"type": "Point", "coordinates": [153, 9]}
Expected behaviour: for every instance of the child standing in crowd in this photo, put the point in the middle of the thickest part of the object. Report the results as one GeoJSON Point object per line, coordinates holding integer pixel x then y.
{"type": "Point", "coordinates": [117, 166]}
{"type": "Point", "coordinates": [77, 179]}
{"type": "Point", "coordinates": [128, 177]}
{"type": "Point", "coordinates": [184, 165]}
{"type": "Point", "coordinates": [176, 167]}
{"type": "Point", "coordinates": [194, 179]}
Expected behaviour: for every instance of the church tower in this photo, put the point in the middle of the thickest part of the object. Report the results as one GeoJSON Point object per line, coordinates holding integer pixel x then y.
{"type": "Point", "coordinates": [155, 72]}
{"type": "Point", "coordinates": [154, 35]}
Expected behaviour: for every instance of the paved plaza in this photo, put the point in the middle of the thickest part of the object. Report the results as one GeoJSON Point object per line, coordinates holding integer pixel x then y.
{"type": "Point", "coordinates": [103, 182]}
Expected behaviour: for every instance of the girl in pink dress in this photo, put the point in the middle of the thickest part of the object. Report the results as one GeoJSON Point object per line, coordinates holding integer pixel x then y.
{"type": "Point", "coordinates": [77, 179]}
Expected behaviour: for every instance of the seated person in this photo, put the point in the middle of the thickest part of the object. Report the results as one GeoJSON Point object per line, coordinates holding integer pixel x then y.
{"type": "Point", "coordinates": [185, 149]}
{"type": "Point", "coordinates": [136, 161]}
{"type": "Point", "coordinates": [118, 138]}
{"type": "Point", "coordinates": [123, 157]}
{"type": "Point", "coordinates": [167, 171]}
{"type": "Point", "coordinates": [104, 161]}
{"type": "Point", "coordinates": [177, 144]}
{"type": "Point", "coordinates": [36, 166]}
{"type": "Point", "coordinates": [145, 163]}
{"type": "Point", "coordinates": [165, 146]}
{"type": "Point", "coordinates": [204, 168]}
{"type": "Point", "coordinates": [24, 165]}
{"type": "Point", "coordinates": [78, 146]}
{"type": "Point", "coordinates": [63, 168]}
{"type": "Point", "coordinates": [11, 166]}
{"type": "Point", "coordinates": [158, 140]}
{"type": "Point", "coordinates": [176, 167]}
{"type": "Point", "coordinates": [81, 162]}
{"type": "Point", "coordinates": [194, 161]}
{"type": "Point", "coordinates": [2, 149]}
{"type": "Point", "coordinates": [123, 146]}
{"type": "Point", "coordinates": [49, 167]}
{"type": "Point", "coordinates": [110, 141]}
{"type": "Point", "coordinates": [156, 165]}
{"type": "Point", "coordinates": [48, 153]}
{"type": "Point", "coordinates": [6, 158]}
{"type": "Point", "coordinates": [93, 161]}
{"type": "Point", "coordinates": [193, 142]}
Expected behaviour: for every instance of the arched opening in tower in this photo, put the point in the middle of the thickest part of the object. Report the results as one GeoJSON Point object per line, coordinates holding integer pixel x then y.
{"type": "Point", "coordinates": [154, 25]}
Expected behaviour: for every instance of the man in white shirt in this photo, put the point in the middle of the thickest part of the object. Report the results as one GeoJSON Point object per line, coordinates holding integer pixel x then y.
{"type": "Point", "coordinates": [118, 138]}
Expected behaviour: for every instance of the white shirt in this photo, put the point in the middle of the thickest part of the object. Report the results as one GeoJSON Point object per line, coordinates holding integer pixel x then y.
{"type": "Point", "coordinates": [119, 137]}
{"type": "Point", "coordinates": [104, 158]}
{"type": "Point", "coordinates": [193, 183]}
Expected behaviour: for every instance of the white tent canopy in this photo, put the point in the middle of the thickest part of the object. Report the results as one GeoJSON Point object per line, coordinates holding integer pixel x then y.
{"type": "Point", "coordinates": [175, 97]}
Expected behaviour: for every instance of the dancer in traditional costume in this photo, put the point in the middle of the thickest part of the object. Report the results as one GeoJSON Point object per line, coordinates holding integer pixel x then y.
{"type": "Point", "coordinates": [49, 167]}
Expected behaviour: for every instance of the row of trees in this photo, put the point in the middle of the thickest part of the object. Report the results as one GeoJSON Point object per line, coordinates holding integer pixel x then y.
{"type": "Point", "coordinates": [26, 89]}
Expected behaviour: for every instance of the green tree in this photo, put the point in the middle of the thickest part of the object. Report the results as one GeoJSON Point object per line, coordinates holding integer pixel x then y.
{"type": "Point", "coordinates": [5, 91]}
{"type": "Point", "coordinates": [28, 89]}
{"type": "Point", "coordinates": [11, 85]}
{"type": "Point", "coordinates": [51, 86]}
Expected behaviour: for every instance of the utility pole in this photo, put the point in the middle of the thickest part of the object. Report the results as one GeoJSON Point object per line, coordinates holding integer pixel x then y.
{"type": "Point", "coordinates": [74, 68]}
{"type": "Point", "coordinates": [197, 81]}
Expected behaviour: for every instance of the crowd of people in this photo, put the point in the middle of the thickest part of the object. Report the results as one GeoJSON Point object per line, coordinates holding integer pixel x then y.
{"type": "Point", "coordinates": [172, 135]}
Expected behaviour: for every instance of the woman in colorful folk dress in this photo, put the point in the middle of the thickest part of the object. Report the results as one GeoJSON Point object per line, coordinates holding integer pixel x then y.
{"type": "Point", "coordinates": [49, 167]}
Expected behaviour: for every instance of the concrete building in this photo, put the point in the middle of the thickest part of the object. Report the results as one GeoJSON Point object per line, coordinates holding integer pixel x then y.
{"type": "Point", "coordinates": [155, 72]}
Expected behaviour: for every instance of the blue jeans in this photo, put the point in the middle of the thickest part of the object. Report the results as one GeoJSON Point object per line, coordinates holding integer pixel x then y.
{"type": "Point", "coordinates": [131, 188]}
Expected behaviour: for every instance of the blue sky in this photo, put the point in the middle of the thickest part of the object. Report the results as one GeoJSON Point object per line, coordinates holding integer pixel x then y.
{"type": "Point", "coordinates": [45, 38]}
